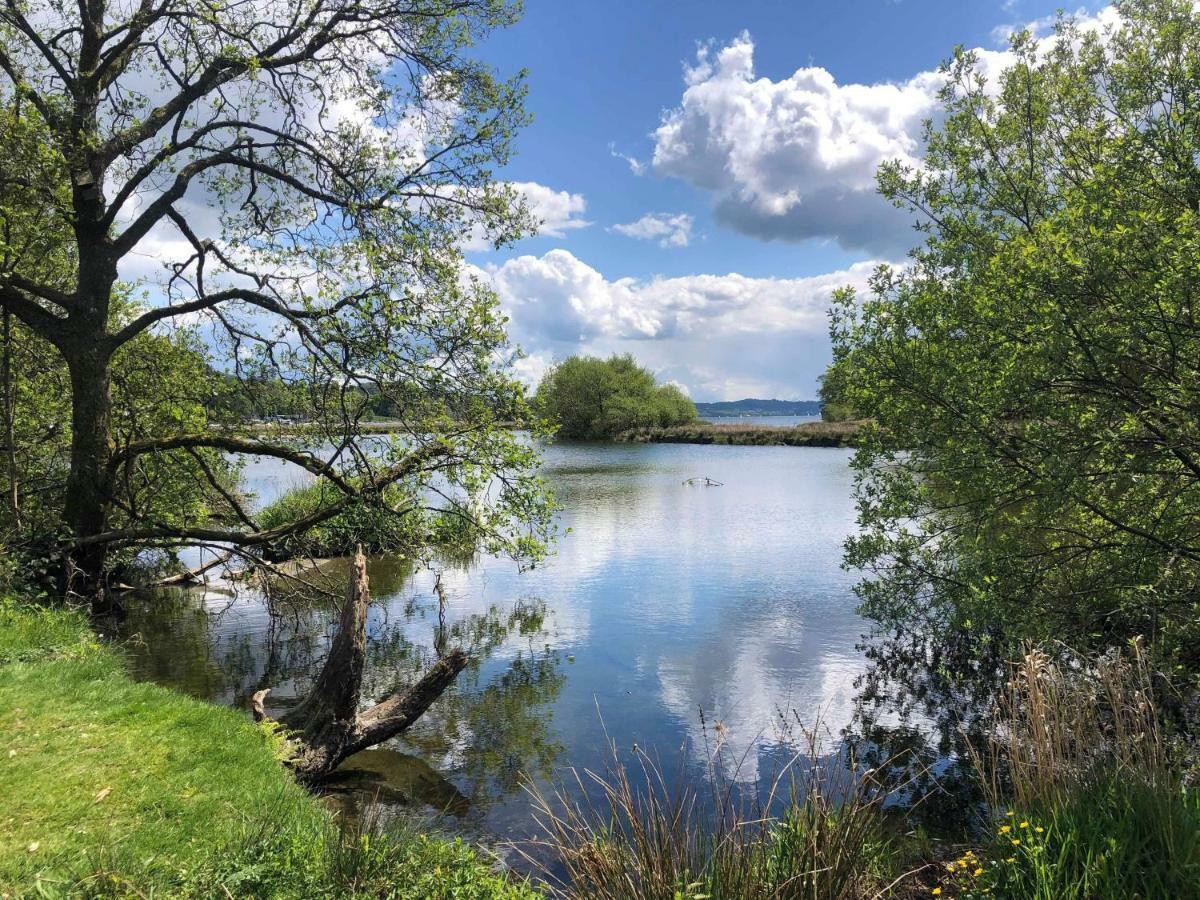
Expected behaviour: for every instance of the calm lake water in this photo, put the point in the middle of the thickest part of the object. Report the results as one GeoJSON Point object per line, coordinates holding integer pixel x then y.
{"type": "Point", "coordinates": [662, 601]}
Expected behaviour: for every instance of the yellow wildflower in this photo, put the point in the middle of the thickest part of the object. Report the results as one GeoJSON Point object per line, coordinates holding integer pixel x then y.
{"type": "Point", "coordinates": [977, 872]}
{"type": "Point", "coordinates": [1024, 824]}
{"type": "Point", "coordinates": [1016, 842]}
{"type": "Point", "coordinates": [1039, 829]}
{"type": "Point", "coordinates": [1005, 829]}
{"type": "Point", "coordinates": [936, 891]}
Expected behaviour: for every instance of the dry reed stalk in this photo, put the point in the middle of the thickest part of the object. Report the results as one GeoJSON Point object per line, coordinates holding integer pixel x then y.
{"type": "Point", "coordinates": [1057, 727]}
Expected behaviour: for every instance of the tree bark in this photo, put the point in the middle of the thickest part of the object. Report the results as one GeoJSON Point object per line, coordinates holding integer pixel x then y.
{"type": "Point", "coordinates": [326, 725]}
{"type": "Point", "coordinates": [86, 504]}
{"type": "Point", "coordinates": [10, 440]}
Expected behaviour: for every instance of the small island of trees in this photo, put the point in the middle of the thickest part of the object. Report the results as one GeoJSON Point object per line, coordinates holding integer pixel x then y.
{"type": "Point", "coordinates": [591, 399]}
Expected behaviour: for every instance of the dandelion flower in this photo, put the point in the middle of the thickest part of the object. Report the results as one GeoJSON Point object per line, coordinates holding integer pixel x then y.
{"type": "Point", "coordinates": [1016, 842]}
{"type": "Point", "coordinates": [977, 872]}
{"type": "Point", "coordinates": [1005, 829]}
{"type": "Point", "coordinates": [936, 891]}
{"type": "Point", "coordinates": [1039, 829]}
{"type": "Point", "coordinates": [1024, 824]}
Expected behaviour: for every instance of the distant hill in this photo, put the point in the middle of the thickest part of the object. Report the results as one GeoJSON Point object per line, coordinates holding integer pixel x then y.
{"type": "Point", "coordinates": [760, 408]}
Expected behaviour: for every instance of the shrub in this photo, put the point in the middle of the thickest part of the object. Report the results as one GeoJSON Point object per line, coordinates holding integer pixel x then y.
{"type": "Point", "coordinates": [391, 522]}
{"type": "Point", "coordinates": [589, 398]}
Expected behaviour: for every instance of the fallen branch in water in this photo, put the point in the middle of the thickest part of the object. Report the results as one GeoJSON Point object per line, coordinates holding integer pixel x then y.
{"type": "Point", "coordinates": [326, 725]}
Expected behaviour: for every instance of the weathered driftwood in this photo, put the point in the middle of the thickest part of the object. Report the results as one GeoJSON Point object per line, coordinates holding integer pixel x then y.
{"type": "Point", "coordinates": [326, 726]}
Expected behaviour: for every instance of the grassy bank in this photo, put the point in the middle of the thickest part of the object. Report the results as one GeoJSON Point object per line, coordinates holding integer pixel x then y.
{"type": "Point", "coordinates": [117, 788]}
{"type": "Point", "coordinates": [811, 434]}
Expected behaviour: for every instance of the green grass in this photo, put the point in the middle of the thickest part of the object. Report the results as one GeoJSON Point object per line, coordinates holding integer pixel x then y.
{"type": "Point", "coordinates": [1115, 839]}
{"type": "Point", "coordinates": [116, 788]}
{"type": "Point", "coordinates": [28, 631]}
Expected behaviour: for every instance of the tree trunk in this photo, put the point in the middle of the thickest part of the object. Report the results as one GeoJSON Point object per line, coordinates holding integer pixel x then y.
{"type": "Point", "coordinates": [86, 504]}
{"type": "Point", "coordinates": [326, 724]}
{"type": "Point", "coordinates": [10, 440]}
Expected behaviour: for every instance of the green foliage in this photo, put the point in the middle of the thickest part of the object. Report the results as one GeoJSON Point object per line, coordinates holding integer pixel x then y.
{"type": "Point", "coordinates": [1036, 465]}
{"type": "Point", "coordinates": [1115, 839]}
{"type": "Point", "coordinates": [29, 631]}
{"type": "Point", "coordinates": [590, 398]}
{"type": "Point", "coordinates": [325, 280]}
{"type": "Point", "coordinates": [391, 521]}
{"type": "Point", "coordinates": [115, 788]}
{"type": "Point", "coordinates": [834, 407]}
{"type": "Point", "coordinates": [161, 385]}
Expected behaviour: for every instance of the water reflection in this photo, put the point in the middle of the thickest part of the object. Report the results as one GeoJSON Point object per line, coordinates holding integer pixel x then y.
{"type": "Point", "coordinates": [663, 600]}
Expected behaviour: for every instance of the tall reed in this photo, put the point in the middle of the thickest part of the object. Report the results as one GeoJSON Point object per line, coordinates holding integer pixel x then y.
{"type": "Point", "coordinates": [820, 832]}
{"type": "Point", "coordinates": [1060, 726]}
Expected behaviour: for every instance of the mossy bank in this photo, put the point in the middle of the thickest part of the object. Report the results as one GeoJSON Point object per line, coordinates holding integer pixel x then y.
{"type": "Point", "coordinates": [118, 788]}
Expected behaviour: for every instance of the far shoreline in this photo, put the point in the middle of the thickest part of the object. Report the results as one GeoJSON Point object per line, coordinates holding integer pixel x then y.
{"type": "Point", "coordinates": [807, 434]}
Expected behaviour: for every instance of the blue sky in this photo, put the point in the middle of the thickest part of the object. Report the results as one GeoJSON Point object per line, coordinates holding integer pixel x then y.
{"type": "Point", "coordinates": [753, 128]}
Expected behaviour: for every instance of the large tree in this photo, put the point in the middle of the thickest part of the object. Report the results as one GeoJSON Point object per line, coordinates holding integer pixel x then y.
{"type": "Point", "coordinates": [1035, 370]}
{"type": "Point", "coordinates": [302, 174]}
{"type": "Point", "coordinates": [590, 398]}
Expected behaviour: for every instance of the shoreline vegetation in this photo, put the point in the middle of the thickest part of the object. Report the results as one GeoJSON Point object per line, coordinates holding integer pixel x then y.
{"type": "Point", "coordinates": [808, 434]}
{"type": "Point", "coordinates": [119, 788]}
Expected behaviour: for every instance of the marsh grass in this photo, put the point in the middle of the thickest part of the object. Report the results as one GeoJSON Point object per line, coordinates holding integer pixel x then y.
{"type": "Point", "coordinates": [820, 833]}
{"type": "Point", "coordinates": [1090, 803]}
{"type": "Point", "coordinates": [809, 434]}
{"type": "Point", "coordinates": [1060, 726]}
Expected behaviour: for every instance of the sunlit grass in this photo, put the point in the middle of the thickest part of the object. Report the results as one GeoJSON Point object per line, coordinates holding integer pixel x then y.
{"type": "Point", "coordinates": [113, 787]}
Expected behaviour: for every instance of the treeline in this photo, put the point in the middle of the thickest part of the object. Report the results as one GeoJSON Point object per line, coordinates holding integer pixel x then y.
{"type": "Point", "coordinates": [263, 396]}
{"type": "Point", "coordinates": [1034, 467]}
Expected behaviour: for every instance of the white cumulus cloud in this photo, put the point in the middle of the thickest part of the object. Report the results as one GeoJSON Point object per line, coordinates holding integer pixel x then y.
{"type": "Point", "coordinates": [557, 211]}
{"type": "Point", "coordinates": [669, 229]}
{"type": "Point", "coordinates": [796, 158]}
{"type": "Point", "coordinates": [719, 336]}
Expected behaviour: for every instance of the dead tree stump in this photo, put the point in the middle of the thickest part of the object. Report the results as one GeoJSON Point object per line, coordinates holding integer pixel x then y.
{"type": "Point", "coordinates": [326, 726]}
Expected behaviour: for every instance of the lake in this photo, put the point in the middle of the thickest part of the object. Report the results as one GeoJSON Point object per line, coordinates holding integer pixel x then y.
{"type": "Point", "coordinates": [663, 601]}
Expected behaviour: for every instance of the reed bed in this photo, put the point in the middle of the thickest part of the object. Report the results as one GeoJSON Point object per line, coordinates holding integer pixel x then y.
{"type": "Point", "coordinates": [820, 833]}
{"type": "Point", "coordinates": [810, 434]}
{"type": "Point", "coordinates": [1089, 799]}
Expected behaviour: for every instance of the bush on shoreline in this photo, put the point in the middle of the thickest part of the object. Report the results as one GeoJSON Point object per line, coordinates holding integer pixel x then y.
{"type": "Point", "coordinates": [371, 525]}
{"type": "Point", "coordinates": [591, 399]}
